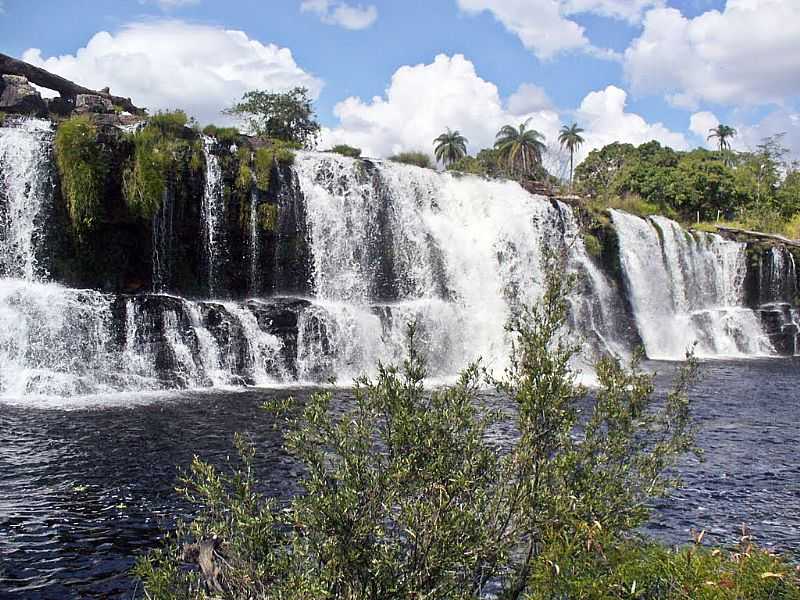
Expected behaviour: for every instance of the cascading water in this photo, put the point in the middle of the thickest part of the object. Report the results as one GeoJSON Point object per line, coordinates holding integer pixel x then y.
{"type": "Point", "coordinates": [25, 191]}
{"type": "Point", "coordinates": [686, 288]}
{"type": "Point", "coordinates": [457, 254]}
{"type": "Point", "coordinates": [376, 246]}
{"type": "Point", "coordinates": [212, 210]}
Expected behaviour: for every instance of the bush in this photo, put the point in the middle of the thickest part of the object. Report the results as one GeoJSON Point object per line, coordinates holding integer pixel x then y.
{"type": "Point", "coordinates": [418, 159]}
{"type": "Point", "coordinates": [83, 169]}
{"type": "Point", "coordinates": [407, 496]}
{"type": "Point", "coordinates": [346, 150]}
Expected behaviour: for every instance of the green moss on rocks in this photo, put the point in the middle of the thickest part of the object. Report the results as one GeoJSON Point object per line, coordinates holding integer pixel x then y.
{"type": "Point", "coordinates": [83, 169]}
{"type": "Point", "coordinates": [593, 246]}
{"type": "Point", "coordinates": [244, 177]}
{"type": "Point", "coordinates": [268, 217]}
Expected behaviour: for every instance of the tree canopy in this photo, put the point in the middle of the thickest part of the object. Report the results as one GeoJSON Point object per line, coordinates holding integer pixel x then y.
{"type": "Point", "coordinates": [287, 116]}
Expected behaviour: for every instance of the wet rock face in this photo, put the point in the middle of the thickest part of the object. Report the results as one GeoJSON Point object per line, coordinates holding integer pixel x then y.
{"type": "Point", "coordinates": [17, 95]}
{"type": "Point", "coordinates": [781, 328]}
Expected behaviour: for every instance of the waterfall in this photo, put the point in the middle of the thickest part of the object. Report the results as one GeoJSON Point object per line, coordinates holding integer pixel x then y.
{"type": "Point", "coordinates": [25, 190]}
{"type": "Point", "coordinates": [371, 246]}
{"type": "Point", "coordinates": [687, 288]}
{"type": "Point", "coordinates": [212, 211]}
{"type": "Point", "coordinates": [391, 243]}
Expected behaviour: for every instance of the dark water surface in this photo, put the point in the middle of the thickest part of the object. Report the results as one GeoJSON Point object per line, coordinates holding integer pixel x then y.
{"type": "Point", "coordinates": [86, 485]}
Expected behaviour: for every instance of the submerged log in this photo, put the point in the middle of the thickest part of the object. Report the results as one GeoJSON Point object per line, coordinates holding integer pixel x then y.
{"type": "Point", "coordinates": [769, 237]}
{"type": "Point", "coordinates": [65, 87]}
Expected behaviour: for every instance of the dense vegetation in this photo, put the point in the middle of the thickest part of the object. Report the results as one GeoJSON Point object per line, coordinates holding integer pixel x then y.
{"type": "Point", "coordinates": [757, 189]}
{"type": "Point", "coordinates": [407, 495]}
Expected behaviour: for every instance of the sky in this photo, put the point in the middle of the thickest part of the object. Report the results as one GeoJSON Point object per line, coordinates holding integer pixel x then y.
{"type": "Point", "coordinates": [390, 75]}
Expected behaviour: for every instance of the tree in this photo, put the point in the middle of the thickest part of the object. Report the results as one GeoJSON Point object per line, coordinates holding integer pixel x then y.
{"type": "Point", "coordinates": [450, 147]}
{"type": "Point", "coordinates": [570, 138]}
{"type": "Point", "coordinates": [287, 116]}
{"type": "Point", "coordinates": [722, 133]}
{"type": "Point", "coordinates": [521, 148]}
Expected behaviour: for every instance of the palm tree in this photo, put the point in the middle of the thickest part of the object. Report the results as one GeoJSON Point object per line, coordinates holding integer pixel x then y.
{"type": "Point", "coordinates": [450, 147]}
{"type": "Point", "coordinates": [521, 148]}
{"type": "Point", "coordinates": [570, 138]}
{"type": "Point", "coordinates": [722, 133]}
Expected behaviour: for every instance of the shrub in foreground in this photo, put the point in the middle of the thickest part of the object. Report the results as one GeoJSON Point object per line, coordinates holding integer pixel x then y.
{"type": "Point", "coordinates": [414, 493]}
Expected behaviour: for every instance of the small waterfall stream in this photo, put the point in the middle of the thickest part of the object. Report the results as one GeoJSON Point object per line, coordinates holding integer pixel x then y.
{"type": "Point", "coordinates": [25, 191]}
{"type": "Point", "coordinates": [212, 210]}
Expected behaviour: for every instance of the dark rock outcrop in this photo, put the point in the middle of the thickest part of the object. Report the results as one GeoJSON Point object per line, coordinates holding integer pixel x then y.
{"type": "Point", "coordinates": [17, 95]}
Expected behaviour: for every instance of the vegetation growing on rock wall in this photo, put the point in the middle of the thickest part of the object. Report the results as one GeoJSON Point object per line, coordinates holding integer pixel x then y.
{"type": "Point", "coordinates": [266, 158]}
{"type": "Point", "coordinates": [244, 175]}
{"type": "Point", "coordinates": [161, 148]}
{"type": "Point", "coordinates": [224, 135]}
{"type": "Point", "coordinates": [593, 246]}
{"type": "Point", "coordinates": [268, 217]}
{"type": "Point", "coordinates": [83, 169]}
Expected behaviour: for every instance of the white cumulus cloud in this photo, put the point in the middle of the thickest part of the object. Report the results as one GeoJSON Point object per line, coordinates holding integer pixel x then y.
{"type": "Point", "coordinates": [700, 123]}
{"type": "Point", "coordinates": [421, 101]}
{"type": "Point", "coordinates": [602, 114]}
{"type": "Point", "coordinates": [544, 26]}
{"type": "Point", "coordinates": [171, 64]}
{"type": "Point", "coordinates": [749, 53]}
{"type": "Point", "coordinates": [341, 13]}
{"type": "Point", "coordinates": [528, 98]}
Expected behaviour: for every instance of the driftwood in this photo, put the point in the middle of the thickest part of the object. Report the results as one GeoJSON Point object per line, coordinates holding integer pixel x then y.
{"type": "Point", "coordinates": [770, 237]}
{"type": "Point", "coordinates": [202, 554]}
{"type": "Point", "coordinates": [67, 89]}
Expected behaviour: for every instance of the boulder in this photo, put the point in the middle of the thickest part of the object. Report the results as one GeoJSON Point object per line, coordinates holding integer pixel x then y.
{"type": "Point", "coordinates": [89, 103]}
{"type": "Point", "coordinates": [17, 95]}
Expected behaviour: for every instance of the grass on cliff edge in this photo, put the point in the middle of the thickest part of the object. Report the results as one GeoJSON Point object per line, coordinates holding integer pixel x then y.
{"type": "Point", "coordinates": [82, 167]}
